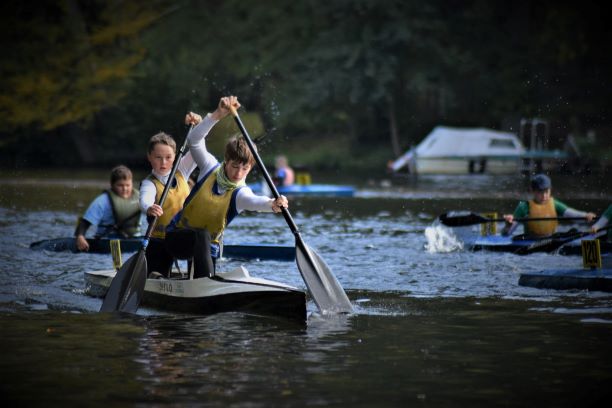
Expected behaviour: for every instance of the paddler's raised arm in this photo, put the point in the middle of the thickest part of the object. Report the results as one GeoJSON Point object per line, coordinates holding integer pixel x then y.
{"type": "Point", "coordinates": [196, 139]}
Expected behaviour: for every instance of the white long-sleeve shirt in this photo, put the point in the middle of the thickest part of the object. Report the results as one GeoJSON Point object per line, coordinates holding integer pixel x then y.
{"type": "Point", "coordinates": [245, 199]}
{"type": "Point", "coordinates": [148, 191]}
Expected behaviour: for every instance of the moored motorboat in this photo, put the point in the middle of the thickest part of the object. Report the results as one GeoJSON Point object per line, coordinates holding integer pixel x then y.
{"type": "Point", "coordinates": [102, 246]}
{"type": "Point", "coordinates": [229, 291]}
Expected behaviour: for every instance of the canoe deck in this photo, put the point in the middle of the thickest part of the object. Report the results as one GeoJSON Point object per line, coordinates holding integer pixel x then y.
{"type": "Point", "coordinates": [585, 279]}
{"type": "Point", "coordinates": [225, 292]}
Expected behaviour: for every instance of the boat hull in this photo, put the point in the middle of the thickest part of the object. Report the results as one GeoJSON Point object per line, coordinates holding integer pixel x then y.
{"type": "Point", "coordinates": [226, 292]}
{"type": "Point", "coordinates": [468, 165]}
{"type": "Point", "coordinates": [498, 243]}
{"type": "Point", "coordinates": [584, 279]}
{"type": "Point", "coordinates": [102, 246]}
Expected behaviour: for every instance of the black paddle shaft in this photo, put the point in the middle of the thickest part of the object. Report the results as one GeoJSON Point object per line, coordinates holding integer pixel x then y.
{"type": "Point", "coordinates": [269, 181]}
{"type": "Point", "coordinates": [552, 244]}
{"type": "Point", "coordinates": [464, 220]}
{"type": "Point", "coordinates": [322, 284]}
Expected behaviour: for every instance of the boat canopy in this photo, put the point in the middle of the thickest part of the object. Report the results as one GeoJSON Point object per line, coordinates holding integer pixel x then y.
{"type": "Point", "coordinates": [463, 143]}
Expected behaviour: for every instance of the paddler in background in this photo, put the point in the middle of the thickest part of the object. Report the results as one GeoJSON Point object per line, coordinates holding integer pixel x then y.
{"type": "Point", "coordinates": [115, 212]}
{"type": "Point", "coordinates": [603, 221]}
{"type": "Point", "coordinates": [283, 174]}
{"type": "Point", "coordinates": [542, 205]}
{"type": "Point", "coordinates": [219, 195]}
{"type": "Point", "coordinates": [161, 153]}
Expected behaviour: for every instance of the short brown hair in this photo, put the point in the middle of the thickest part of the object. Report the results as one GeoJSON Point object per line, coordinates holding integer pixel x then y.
{"type": "Point", "coordinates": [237, 150]}
{"type": "Point", "coordinates": [120, 172]}
{"type": "Point", "coordinates": [162, 138]}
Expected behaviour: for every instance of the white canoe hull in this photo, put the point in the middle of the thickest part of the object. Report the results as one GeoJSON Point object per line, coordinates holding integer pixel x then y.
{"type": "Point", "coordinates": [230, 291]}
{"type": "Point", "coordinates": [466, 166]}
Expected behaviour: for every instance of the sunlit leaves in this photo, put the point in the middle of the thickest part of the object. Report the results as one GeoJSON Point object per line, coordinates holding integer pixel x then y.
{"type": "Point", "coordinates": [71, 61]}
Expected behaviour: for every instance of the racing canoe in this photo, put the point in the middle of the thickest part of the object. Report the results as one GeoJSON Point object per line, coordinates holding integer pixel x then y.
{"type": "Point", "coordinates": [233, 291]}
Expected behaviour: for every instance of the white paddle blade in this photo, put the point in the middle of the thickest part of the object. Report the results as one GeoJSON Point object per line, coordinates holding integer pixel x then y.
{"type": "Point", "coordinates": [324, 288]}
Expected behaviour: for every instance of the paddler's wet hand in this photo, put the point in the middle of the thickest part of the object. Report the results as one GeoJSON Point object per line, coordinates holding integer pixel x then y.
{"type": "Point", "coordinates": [82, 243]}
{"type": "Point", "coordinates": [155, 211]}
{"type": "Point", "coordinates": [590, 216]}
{"type": "Point", "coordinates": [192, 119]}
{"type": "Point", "coordinates": [224, 107]}
{"type": "Point", "coordinates": [509, 218]}
{"type": "Point", "coordinates": [279, 203]}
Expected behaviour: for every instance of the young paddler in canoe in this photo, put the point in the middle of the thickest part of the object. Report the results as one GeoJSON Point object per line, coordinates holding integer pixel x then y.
{"type": "Point", "coordinates": [161, 153]}
{"type": "Point", "coordinates": [283, 173]}
{"type": "Point", "coordinates": [219, 194]}
{"type": "Point", "coordinates": [542, 205]}
{"type": "Point", "coordinates": [115, 212]}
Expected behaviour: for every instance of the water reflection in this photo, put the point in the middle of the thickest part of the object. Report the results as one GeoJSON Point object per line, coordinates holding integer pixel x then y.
{"type": "Point", "coordinates": [442, 329]}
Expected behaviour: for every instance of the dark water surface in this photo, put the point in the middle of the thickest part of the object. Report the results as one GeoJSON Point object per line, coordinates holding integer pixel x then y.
{"type": "Point", "coordinates": [433, 326]}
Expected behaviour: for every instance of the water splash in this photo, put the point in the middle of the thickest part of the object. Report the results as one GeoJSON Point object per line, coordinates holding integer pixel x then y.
{"type": "Point", "coordinates": [441, 239]}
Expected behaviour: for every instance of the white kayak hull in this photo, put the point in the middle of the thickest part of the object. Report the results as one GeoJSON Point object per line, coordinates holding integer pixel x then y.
{"type": "Point", "coordinates": [227, 291]}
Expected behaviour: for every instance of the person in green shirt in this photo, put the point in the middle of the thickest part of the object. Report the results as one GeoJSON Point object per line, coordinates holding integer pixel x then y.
{"type": "Point", "coordinates": [542, 205]}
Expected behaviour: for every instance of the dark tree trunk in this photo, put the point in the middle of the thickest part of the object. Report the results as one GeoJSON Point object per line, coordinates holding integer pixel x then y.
{"type": "Point", "coordinates": [393, 131]}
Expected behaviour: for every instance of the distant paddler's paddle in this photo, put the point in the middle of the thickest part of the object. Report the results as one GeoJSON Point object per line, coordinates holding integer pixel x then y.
{"type": "Point", "coordinates": [553, 243]}
{"type": "Point", "coordinates": [464, 219]}
{"type": "Point", "coordinates": [321, 282]}
{"type": "Point", "coordinates": [127, 287]}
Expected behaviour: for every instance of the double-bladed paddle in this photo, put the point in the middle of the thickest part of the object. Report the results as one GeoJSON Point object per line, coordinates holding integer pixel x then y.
{"type": "Point", "coordinates": [321, 282]}
{"type": "Point", "coordinates": [464, 219]}
{"type": "Point", "coordinates": [127, 287]}
{"type": "Point", "coordinates": [553, 243]}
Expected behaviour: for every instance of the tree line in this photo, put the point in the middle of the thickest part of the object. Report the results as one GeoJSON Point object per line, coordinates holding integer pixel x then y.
{"type": "Point", "coordinates": [86, 82]}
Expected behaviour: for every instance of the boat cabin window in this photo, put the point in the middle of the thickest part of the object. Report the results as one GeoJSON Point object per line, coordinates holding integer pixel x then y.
{"type": "Point", "coordinates": [502, 143]}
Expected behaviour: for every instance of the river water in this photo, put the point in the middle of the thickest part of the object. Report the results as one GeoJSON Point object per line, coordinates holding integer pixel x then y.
{"type": "Point", "coordinates": [433, 326]}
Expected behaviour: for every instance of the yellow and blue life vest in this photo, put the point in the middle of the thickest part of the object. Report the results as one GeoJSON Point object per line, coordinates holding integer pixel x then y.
{"type": "Point", "coordinates": [207, 208]}
{"type": "Point", "coordinates": [541, 228]}
{"type": "Point", "coordinates": [173, 203]}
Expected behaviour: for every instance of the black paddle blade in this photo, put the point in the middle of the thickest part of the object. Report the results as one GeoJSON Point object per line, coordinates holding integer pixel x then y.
{"type": "Point", "coordinates": [127, 287]}
{"type": "Point", "coordinates": [321, 282]}
{"type": "Point", "coordinates": [461, 219]}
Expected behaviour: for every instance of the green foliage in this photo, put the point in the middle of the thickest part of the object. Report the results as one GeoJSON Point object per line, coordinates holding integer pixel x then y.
{"type": "Point", "coordinates": [314, 73]}
{"type": "Point", "coordinates": [70, 60]}
{"type": "Point", "coordinates": [227, 128]}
